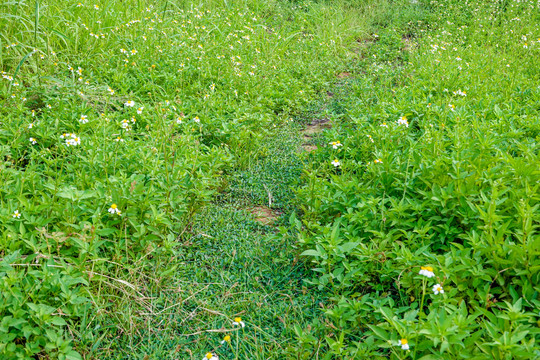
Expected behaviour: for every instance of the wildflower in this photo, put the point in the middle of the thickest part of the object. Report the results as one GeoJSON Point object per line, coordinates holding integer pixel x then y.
{"type": "Point", "coordinates": [17, 215]}
{"type": "Point", "coordinates": [427, 271]}
{"type": "Point", "coordinates": [378, 161]}
{"type": "Point", "coordinates": [133, 52]}
{"type": "Point", "coordinates": [33, 141]}
{"type": "Point", "coordinates": [114, 209]}
{"type": "Point", "coordinates": [179, 120]}
{"type": "Point", "coordinates": [370, 138]}
{"type": "Point", "coordinates": [384, 125]}
{"type": "Point", "coordinates": [404, 343]}
{"type": "Point", "coordinates": [79, 5]}
{"type": "Point", "coordinates": [336, 144]}
{"type": "Point", "coordinates": [48, 106]}
{"type": "Point", "coordinates": [111, 91]}
{"type": "Point", "coordinates": [139, 110]}
{"type": "Point", "coordinates": [125, 124]}
{"type": "Point", "coordinates": [130, 103]}
{"type": "Point", "coordinates": [336, 162]}
{"type": "Point", "coordinates": [238, 322]}
{"type": "Point", "coordinates": [31, 125]}
{"type": "Point", "coordinates": [452, 107]}
{"type": "Point", "coordinates": [438, 289]}
{"type": "Point", "coordinates": [403, 121]}
{"type": "Point", "coordinates": [226, 339]}
{"type": "Point", "coordinates": [119, 139]}
{"type": "Point", "coordinates": [96, 7]}
{"type": "Point", "coordinates": [71, 139]}
{"type": "Point", "coordinates": [83, 119]}
{"type": "Point", "coordinates": [196, 119]}
{"type": "Point", "coordinates": [210, 356]}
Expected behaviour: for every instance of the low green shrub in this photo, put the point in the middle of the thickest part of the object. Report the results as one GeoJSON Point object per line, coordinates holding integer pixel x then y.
{"type": "Point", "coordinates": [438, 169]}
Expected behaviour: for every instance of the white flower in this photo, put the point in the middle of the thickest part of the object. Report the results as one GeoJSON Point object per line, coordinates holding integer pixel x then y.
{"type": "Point", "coordinates": [31, 125]}
{"type": "Point", "coordinates": [139, 110]}
{"type": "Point", "coordinates": [179, 120]}
{"type": "Point", "coordinates": [371, 139]}
{"type": "Point", "coordinates": [17, 214]}
{"type": "Point", "coordinates": [111, 91]}
{"type": "Point", "coordinates": [125, 124]}
{"type": "Point", "coordinates": [459, 92]}
{"type": "Point", "coordinates": [384, 125]}
{"type": "Point", "coordinates": [83, 119]}
{"type": "Point", "coordinates": [196, 119]}
{"type": "Point", "coordinates": [438, 289]}
{"type": "Point", "coordinates": [119, 139]}
{"type": "Point", "coordinates": [336, 162]}
{"type": "Point", "coordinates": [130, 103]}
{"type": "Point", "coordinates": [403, 121]}
{"type": "Point", "coordinates": [226, 339]}
{"type": "Point", "coordinates": [378, 161]}
{"type": "Point", "coordinates": [427, 271]}
{"type": "Point", "coordinates": [210, 356]}
{"type": "Point", "coordinates": [404, 344]}
{"type": "Point", "coordinates": [114, 209]}
{"type": "Point", "coordinates": [71, 139]}
{"type": "Point", "coordinates": [238, 322]}
{"type": "Point", "coordinates": [33, 141]}
{"type": "Point", "coordinates": [336, 144]}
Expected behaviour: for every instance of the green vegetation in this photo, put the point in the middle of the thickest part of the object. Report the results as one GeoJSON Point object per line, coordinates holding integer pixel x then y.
{"type": "Point", "coordinates": [438, 174]}
{"type": "Point", "coordinates": [140, 143]}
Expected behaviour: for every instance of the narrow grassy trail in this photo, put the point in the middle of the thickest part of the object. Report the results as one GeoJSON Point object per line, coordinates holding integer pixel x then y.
{"type": "Point", "coordinates": [232, 263]}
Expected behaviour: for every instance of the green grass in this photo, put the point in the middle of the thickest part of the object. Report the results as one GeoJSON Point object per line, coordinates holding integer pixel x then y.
{"type": "Point", "coordinates": [220, 92]}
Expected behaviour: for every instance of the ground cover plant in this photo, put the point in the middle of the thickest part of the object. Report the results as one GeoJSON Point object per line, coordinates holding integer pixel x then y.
{"type": "Point", "coordinates": [120, 123]}
{"type": "Point", "coordinates": [422, 203]}
{"type": "Point", "coordinates": [157, 203]}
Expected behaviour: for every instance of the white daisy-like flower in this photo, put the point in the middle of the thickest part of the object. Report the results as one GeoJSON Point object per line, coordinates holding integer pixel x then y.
{"type": "Point", "coordinates": [370, 138]}
{"type": "Point", "coordinates": [83, 119]}
{"type": "Point", "coordinates": [427, 271]}
{"type": "Point", "coordinates": [71, 139]}
{"type": "Point", "coordinates": [119, 139]}
{"type": "Point", "coordinates": [336, 163]}
{"type": "Point", "coordinates": [129, 103]}
{"type": "Point", "coordinates": [377, 161]}
{"type": "Point", "coordinates": [403, 121]}
{"type": "Point", "coordinates": [336, 144]}
{"type": "Point", "coordinates": [32, 141]}
{"type": "Point", "coordinates": [48, 106]}
{"type": "Point", "coordinates": [384, 125]}
{"type": "Point", "coordinates": [210, 356]}
{"type": "Point", "coordinates": [111, 91]}
{"type": "Point", "coordinates": [404, 343]}
{"type": "Point", "coordinates": [238, 322]}
{"type": "Point", "coordinates": [196, 119]}
{"type": "Point", "coordinates": [31, 125]}
{"type": "Point", "coordinates": [438, 289]}
{"type": "Point", "coordinates": [17, 214]}
{"type": "Point", "coordinates": [179, 120]}
{"type": "Point", "coordinates": [226, 339]}
{"type": "Point", "coordinates": [114, 209]}
{"type": "Point", "coordinates": [139, 110]}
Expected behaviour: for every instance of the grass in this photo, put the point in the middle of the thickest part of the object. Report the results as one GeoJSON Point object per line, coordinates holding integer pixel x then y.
{"type": "Point", "coordinates": [139, 145]}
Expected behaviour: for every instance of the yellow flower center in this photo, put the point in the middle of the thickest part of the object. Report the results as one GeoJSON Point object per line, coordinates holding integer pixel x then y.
{"type": "Point", "coordinates": [428, 268]}
{"type": "Point", "coordinates": [113, 206]}
{"type": "Point", "coordinates": [237, 319]}
{"type": "Point", "coordinates": [208, 355]}
{"type": "Point", "coordinates": [227, 338]}
{"type": "Point", "coordinates": [404, 342]}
